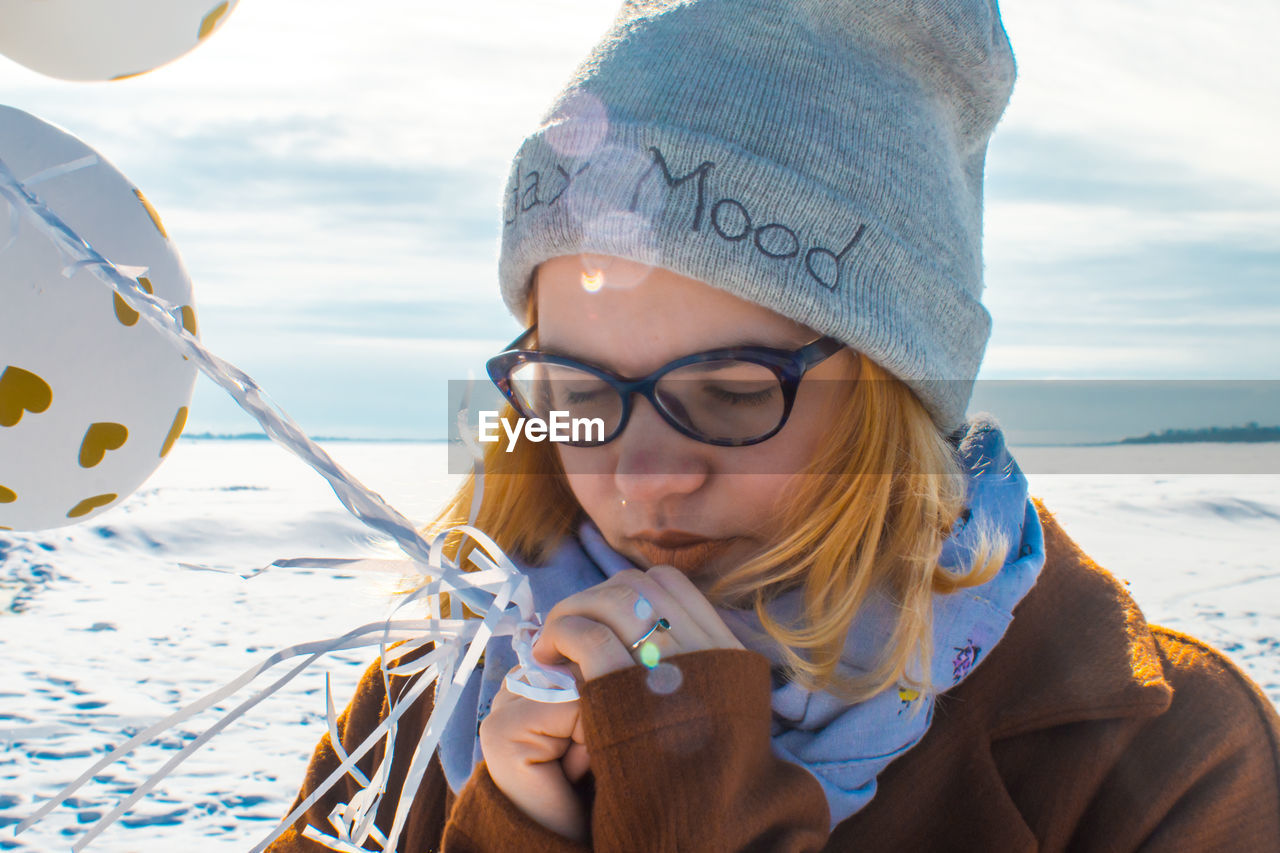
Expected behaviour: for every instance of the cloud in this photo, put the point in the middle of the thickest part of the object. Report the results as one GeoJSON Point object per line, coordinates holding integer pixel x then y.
{"type": "Point", "coordinates": [1026, 164]}
{"type": "Point", "coordinates": [1175, 82]}
{"type": "Point", "coordinates": [1174, 303]}
{"type": "Point", "coordinates": [375, 322]}
{"type": "Point", "coordinates": [345, 385]}
{"type": "Point", "coordinates": [332, 176]}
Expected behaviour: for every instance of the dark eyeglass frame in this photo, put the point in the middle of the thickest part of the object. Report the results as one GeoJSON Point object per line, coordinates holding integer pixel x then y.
{"type": "Point", "coordinates": [789, 366]}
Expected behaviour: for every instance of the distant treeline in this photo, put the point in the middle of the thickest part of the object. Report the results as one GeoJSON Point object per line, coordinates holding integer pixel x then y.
{"type": "Point", "coordinates": [1249, 432]}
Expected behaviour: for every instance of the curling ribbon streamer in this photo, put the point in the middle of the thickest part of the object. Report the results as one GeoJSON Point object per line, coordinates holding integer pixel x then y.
{"type": "Point", "coordinates": [496, 584]}
{"type": "Point", "coordinates": [530, 679]}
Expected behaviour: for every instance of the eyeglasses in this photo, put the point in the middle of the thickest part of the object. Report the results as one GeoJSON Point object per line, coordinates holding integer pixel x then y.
{"type": "Point", "coordinates": [727, 397]}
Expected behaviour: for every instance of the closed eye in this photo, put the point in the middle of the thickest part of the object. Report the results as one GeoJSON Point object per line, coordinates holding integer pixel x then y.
{"type": "Point", "coordinates": [572, 397]}
{"type": "Point", "coordinates": [726, 396]}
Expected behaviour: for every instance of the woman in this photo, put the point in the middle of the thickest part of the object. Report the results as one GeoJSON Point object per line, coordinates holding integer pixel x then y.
{"type": "Point", "coordinates": [786, 572]}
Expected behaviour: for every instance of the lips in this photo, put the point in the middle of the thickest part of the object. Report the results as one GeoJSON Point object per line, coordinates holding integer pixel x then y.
{"type": "Point", "coordinates": [671, 538]}
{"type": "Point", "coordinates": [687, 552]}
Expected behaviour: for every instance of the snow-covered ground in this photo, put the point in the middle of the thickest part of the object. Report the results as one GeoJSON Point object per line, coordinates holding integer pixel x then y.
{"type": "Point", "coordinates": [102, 631]}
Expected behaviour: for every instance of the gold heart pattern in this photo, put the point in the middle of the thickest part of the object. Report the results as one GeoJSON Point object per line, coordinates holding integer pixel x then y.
{"type": "Point", "coordinates": [151, 211]}
{"type": "Point", "coordinates": [22, 391]}
{"type": "Point", "coordinates": [88, 505]}
{"type": "Point", "coordinates": [98, 439]}
{"type": "Point", "coordinates": [211, 20]}
{"type": "Point", "coordinates": [179, 421]}
{"type": "Point", "coordinates": [124, 313]}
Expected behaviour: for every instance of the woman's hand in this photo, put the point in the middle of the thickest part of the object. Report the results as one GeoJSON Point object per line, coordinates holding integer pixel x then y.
{"type": "Point", "coordinates": [535, 751]}
{"type": "Point", "coordinates": [595, 630]}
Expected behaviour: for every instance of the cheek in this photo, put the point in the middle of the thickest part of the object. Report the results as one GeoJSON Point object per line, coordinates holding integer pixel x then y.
{"type": "Point", "coordinates": [758, 500]}
{"type": "Point", "coordinates": [592, 484]}
{"type": "Point", "coordinates": [818, 419]}
{"type": "Point", "coordinates": [588, 465]}
{"type": "Point", "coordinates": [788, 453]}
{"type": "Point", "coordinates": [812, 438]}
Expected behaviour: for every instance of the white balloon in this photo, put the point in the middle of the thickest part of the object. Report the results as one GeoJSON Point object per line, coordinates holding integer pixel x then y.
{"type": "Point", "coordinates": [105, 39]}
{"type": "Point", "coordinates": [91, 397]}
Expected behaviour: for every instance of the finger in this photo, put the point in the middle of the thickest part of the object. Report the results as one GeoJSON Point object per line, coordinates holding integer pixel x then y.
{"type": "Point", "coordinates": [692, 619]}
{"type": "Point", "coordinates": [630, 604]}
{"type": "Point", "coordinates": [559, 720]}
{"type": "Point", "coordinates": [524, 744]}
{"type": "Point", "coordinates": [576, 762]}
{"type": "Point", "coordinates": [590, 644]}
{"type": "Point", "coordinates": [677, 586]}
{"type": "Point", "coordinates": [661, 626]}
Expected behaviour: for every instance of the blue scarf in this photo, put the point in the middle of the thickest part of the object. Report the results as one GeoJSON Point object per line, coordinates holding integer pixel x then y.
{"type": "Point", "coordinates": [844, 746]}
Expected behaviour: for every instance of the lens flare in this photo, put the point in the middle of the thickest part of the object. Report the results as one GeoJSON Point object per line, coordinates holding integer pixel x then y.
{"type": "Point", "coordinates": [664, 679]}
{"type": "Point", "coordinates": [649, 655]}
{"type": "Point", "coordinates": [592, 280]}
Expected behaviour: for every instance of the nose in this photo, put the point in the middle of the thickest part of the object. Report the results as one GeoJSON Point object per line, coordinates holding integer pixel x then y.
{"type": "Point", "coordinates": [654, 461]}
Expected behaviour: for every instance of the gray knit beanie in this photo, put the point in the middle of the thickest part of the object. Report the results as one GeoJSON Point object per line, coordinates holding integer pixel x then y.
{"type": "Point", "coordinates": [823, 158]}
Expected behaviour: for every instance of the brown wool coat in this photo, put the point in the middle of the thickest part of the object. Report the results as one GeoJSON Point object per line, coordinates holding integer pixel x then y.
{"type": "Point", "coordinates": [1085, 729]}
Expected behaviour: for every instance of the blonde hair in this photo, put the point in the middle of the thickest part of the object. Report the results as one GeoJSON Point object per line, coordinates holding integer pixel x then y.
{"type": "Point", "coordinates": [869, 514]}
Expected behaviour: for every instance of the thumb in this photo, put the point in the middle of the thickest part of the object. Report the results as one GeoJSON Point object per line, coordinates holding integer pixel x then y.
{"type": "Point", "coordinates": [576, 762]}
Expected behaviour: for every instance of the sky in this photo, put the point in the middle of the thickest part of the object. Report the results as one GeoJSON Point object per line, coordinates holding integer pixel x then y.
{"type": "Point", "coordinates": [333, 183]}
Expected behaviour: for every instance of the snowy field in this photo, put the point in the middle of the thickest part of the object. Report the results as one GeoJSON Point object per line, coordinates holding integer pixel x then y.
{"type": "Point", "coordinates": [103, 632]}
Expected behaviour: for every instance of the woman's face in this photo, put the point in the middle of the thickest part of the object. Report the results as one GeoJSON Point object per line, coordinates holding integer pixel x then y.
{"type": "Point", "coordinates": [656, 495]}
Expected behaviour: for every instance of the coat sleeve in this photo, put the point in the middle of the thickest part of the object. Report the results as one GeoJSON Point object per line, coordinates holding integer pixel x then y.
{"type": "Point", "coordinates": [485, 820]}
{"type": "Point", "coordinates": [681, 759]}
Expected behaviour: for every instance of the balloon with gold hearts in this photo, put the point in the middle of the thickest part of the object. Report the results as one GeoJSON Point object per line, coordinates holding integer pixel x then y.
{"type": "Point", "coordinates": [91, 400]}
{"type": "Point", "coordinates": [105, 39]}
